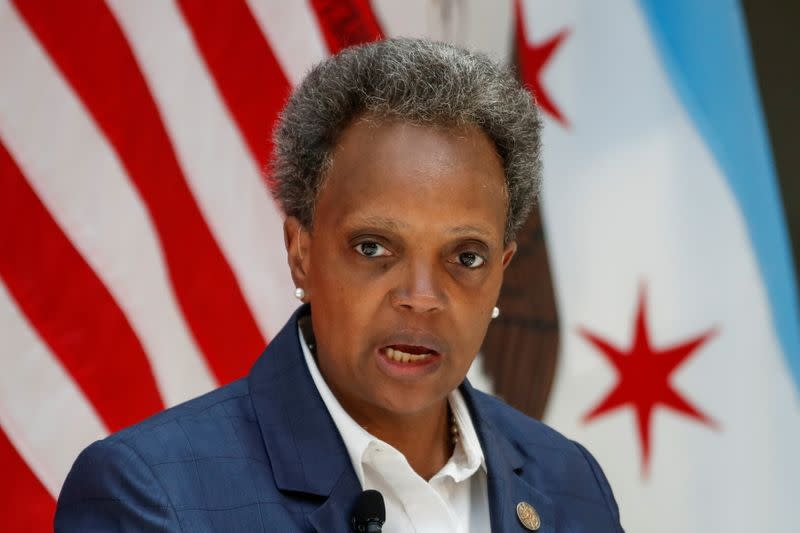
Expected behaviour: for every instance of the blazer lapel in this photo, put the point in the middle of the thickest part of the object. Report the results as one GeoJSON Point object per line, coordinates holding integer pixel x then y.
{"type": "Point", "coordinates": [504, 467]}
{"type": "Point", "coordinates": [305, 449]}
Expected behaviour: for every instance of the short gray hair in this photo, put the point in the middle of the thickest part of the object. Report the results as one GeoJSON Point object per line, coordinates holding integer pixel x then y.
{"type": "Point", "coordinates": [414, 80]}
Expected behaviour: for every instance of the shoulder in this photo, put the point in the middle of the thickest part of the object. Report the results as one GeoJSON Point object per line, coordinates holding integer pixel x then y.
{"type": "Point", "coordinates": [220, 423]}
{"type": "Point", "coordinates": [139, 476]}
{"type": "Point", "coordinates": [110, 487]}
{"type": "Point", "coordinates": [183, 431]}
{"type": "Point", "coordinates": [557, 464]}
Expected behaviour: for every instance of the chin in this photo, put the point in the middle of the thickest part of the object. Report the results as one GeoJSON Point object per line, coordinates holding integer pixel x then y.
{"type": "Point", "coordinates": [406, 401]}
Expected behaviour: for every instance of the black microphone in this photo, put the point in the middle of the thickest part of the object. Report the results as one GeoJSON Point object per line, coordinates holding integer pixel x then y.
{"type": "Point", "coordinates": [369, 513]}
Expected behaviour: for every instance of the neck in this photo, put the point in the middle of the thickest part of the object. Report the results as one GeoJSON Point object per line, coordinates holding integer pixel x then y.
{"type": "Point", "coordinates": [423, 438]}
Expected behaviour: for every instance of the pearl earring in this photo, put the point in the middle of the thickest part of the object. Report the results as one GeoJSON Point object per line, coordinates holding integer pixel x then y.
{"type": "Point", "coordinates": [299, 293]}
{"type": "Point", "coordinates": [495, 312]}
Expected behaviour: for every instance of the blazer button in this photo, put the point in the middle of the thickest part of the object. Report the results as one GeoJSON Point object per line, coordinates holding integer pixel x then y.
{"type": "Point", "coordinates": [528, 516]}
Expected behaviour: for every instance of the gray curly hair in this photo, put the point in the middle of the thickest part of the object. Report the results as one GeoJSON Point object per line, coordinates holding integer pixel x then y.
{"type": "Point", "coordinates": [414, 80]}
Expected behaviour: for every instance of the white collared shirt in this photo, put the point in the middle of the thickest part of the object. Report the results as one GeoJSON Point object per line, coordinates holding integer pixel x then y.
{"type": "Point", "coordinates": [455, 499]}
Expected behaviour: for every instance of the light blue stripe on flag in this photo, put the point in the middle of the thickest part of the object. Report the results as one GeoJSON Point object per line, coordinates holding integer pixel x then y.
{"type": "Point", "coordinates": [705, 50]}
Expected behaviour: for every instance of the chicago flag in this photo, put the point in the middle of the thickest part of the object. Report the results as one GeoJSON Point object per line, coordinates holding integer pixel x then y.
{"type": "Point", "coordinates": [680, 353]}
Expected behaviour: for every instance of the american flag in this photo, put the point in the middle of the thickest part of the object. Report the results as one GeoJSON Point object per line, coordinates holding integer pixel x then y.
{"type": "Point", "coordinates": [141, 254]}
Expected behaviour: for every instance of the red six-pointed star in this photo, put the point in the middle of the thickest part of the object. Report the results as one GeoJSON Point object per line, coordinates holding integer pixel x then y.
{"type": "Point", "coordinates": [644, 377]}
{"type": "Point", "coordinates": [532, 60]}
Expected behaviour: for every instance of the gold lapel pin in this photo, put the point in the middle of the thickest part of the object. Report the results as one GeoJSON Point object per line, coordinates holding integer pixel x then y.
{"type": "Point", "coordinates": [528, 516]}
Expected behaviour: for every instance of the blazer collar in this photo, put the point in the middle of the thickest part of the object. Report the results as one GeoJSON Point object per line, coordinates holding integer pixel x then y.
{"type": "Point", "coordinates": [308, 455]}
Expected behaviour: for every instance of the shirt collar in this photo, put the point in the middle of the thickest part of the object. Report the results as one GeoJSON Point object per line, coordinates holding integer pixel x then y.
{"type": "Point", "coordinates": [467, 456]}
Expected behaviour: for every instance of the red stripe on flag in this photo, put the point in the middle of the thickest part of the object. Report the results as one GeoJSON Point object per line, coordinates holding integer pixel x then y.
{"type": "Point", "coordinates": [245, 70]}
{"type": "Point", "coordinates": [25, 504]}
{"type": "Point", "coordinates": [86, 43]}
{"type": "Point", "coordinates": [346, 22]}
{"type": "Point", "coordinates": [69, 306]}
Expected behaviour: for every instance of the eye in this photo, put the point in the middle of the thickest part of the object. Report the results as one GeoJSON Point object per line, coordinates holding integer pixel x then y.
{"type": "Point", "coordinates": [470, 259]}
{"type": "Point", "coordinates": [371, 249]}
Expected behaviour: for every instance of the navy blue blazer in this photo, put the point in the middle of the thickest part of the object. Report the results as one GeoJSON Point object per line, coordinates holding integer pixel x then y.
{"type": "Point", "coordinates": [263, 454]}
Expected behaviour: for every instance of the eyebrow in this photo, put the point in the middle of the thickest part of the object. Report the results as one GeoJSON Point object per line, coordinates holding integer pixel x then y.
{"type": "Point", "coordinates": [381, 222]}
{"type": "Point", "coordinates": [468, 229]}
{"type": "Point", "coordinates": [378, 221]}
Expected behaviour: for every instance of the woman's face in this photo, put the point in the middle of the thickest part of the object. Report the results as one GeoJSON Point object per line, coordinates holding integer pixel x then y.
{"type": "Point", "coordinates": [404, 263]}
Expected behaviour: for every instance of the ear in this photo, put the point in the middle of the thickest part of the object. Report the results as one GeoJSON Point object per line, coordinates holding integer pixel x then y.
{"type": "Point", "coordinates": [508, 253]}
{"type": "Point", "coordinates": [297, 240]}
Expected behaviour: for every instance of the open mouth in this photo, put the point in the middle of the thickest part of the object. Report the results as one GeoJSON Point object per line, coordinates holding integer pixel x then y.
{"type": "Point", "coordinates": [404, 353]}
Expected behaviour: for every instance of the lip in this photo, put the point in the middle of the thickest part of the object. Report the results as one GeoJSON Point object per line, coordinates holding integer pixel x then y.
{"type": "Point", "coordinates": [414, 342]}
{"type": "Point", "coordinates": [416, 338]}
{"type": "Point", "coordinates": [409, 371]}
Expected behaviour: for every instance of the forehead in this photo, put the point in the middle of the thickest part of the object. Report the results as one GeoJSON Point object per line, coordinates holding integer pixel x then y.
{"type": "Point", "coordinates": [407, 175]}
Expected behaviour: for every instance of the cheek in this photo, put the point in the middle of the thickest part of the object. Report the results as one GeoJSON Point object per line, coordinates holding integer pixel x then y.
{"type": "Point", "coordinates": [474, 310]}
{"type": "Point", "coordinates": [479, 290]}
{"type": "Point", "coordinates": [473, 321]}
{"type": "Point", "coordinates": [478, 332]}
{"type": "Point", "coordinates": [329, 277]}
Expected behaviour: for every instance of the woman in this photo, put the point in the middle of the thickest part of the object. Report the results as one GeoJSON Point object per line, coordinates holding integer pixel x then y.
{"type": "Point", "coordinates": [404, 168]}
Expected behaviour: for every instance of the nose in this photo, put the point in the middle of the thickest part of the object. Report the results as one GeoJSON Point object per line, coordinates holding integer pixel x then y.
{"type": "Point", "coordinates": [419, 288]}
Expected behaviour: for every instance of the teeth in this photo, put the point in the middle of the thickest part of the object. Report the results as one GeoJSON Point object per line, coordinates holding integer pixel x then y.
{"type": "Point", "coordinates": [403, 357]}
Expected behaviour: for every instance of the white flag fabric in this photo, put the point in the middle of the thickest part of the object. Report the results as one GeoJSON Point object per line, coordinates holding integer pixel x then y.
{"type": "Point", "coordinates": [679, 327]}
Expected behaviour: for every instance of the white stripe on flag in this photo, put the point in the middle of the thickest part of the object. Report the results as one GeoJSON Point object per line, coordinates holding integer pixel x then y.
{"type": "Point", "coordinates": [46, 416]}
{"type": "Point", "coordinates": [222, 175]}
{"type": "Point", "coordinates": [76, 174]}
{"type": "Point", "coordinates": [293, 34]}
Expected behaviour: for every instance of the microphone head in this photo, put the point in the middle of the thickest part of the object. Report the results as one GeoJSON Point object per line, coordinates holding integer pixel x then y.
{"type": "Point", "coordinates": [369, 509]}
